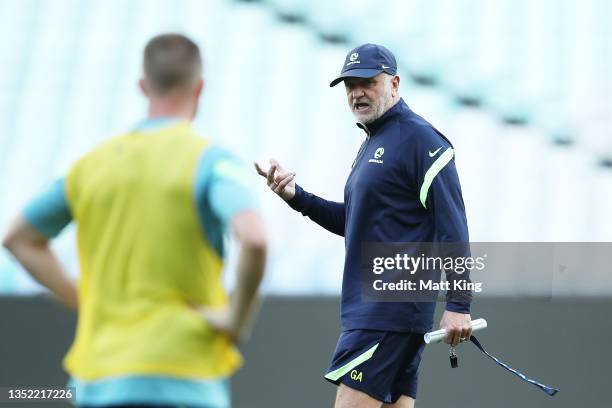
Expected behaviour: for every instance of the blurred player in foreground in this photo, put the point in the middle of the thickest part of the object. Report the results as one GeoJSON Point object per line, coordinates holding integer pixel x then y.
{"type": "Point", "coordinates": [155, 326]}
{"type": "Point", "coordinates": [403, 187]}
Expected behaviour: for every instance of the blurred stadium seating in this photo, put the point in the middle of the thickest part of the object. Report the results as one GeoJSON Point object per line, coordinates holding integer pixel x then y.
{"type": "Point", "coordinates": [522, 88]}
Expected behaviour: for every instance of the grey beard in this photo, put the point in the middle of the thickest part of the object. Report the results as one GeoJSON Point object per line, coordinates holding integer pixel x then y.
{"type": "Point", "coordinates": [386, 106]}
{"type": "Point", "coordinates": [375, 117]}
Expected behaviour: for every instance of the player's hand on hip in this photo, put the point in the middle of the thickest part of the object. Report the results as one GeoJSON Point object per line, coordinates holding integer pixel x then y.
{"type": "Point", "coordinates": [220, 320]}
{"type": "Point", "coordinates": [458, 327]}
{"type": "Point", "coordinates": [280, 180]}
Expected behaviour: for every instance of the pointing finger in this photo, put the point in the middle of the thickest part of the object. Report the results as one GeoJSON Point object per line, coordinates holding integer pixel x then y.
{"type": "Point", "coordinates": [260, 171]}
{"type": "Point", "coordinates": [277, 164]}
{"type": "Point", "coordinates": [270, 175]}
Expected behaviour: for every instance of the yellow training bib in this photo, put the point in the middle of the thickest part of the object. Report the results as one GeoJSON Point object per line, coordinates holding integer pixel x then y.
{"type": "Point", "coordinates": [144, 259]}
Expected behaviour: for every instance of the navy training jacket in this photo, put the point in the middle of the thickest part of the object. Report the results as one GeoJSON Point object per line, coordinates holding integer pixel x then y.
{"type": "Point", "coordinates": [403, 187]}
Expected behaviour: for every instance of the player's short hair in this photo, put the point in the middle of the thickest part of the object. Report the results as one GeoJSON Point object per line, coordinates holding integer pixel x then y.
{"type": "Point", "coordinates": [172, 62]}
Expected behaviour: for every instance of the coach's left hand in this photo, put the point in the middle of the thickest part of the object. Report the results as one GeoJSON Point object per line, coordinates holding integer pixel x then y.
{"type": "Point", "coordinates": [458, 327]}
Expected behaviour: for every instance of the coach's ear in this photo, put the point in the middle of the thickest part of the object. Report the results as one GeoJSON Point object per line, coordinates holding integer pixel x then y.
{"type": "Point", "coordinates": [395, 85]}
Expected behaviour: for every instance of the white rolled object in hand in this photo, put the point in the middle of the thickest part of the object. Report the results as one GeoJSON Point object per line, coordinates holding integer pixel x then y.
{"type": "Point", "coordinates": [438, 335]}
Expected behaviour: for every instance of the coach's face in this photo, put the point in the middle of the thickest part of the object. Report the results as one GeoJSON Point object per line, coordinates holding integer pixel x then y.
{"type": "Point", "coordinates": [369, 98]}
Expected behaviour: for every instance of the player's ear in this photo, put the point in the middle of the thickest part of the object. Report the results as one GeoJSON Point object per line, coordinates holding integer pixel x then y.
{"type": "Point", "coordinates": [199, 87]}
{"type": "Point", "coordinates": [144, 86]}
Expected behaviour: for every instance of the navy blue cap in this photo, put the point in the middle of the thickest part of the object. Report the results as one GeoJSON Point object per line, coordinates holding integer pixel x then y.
{"type": "Point", "coordinates": [367, 61]}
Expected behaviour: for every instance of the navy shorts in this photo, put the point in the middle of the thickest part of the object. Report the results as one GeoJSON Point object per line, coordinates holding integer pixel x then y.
{"type": "Point", "coordinates": [382, 364]}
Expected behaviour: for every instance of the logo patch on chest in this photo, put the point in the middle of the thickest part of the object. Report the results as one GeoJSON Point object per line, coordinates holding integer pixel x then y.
{"type": "Point", "coordinates": [377, 155]}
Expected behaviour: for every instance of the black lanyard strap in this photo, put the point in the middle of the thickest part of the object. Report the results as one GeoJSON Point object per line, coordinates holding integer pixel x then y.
{"type": "Point", "coordinates": [548, 390]}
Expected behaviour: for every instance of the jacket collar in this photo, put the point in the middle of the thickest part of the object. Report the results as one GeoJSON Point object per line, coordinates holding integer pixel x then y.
{"type": "Point", "coordinates": [399, 108]}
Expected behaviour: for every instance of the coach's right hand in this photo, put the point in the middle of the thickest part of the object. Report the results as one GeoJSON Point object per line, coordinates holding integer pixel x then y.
{"type": "Point", "coordinates": [281, 181]}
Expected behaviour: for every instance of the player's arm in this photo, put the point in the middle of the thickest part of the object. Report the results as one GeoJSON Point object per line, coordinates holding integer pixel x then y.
{"type": "Point", "coordinates": [248, 229]}
{"type": "Point", "coordinates": [28, 240]}
{"type": "Point", "coordinates": [330, 215]}
{"type": "Point", "coordinates": [440, 194]}
{"type": "Point", "coordinates": [224, 190]}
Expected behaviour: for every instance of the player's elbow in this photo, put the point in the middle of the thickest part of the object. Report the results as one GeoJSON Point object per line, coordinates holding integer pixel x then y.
{"type": "Point", "coordinates": [10, 240]}
{"type": "Point", "coordinates": [256, 242]}
{"type": "Point", "coordinates": [21, 234]}
{"type": "Point", "coordinates": [6, 242]}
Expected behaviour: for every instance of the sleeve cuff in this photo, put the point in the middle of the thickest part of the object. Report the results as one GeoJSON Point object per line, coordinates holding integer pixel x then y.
{"type": "Point", "coordinates": [49, 213]}
{"type": "Point", "coordinates": [298, 202]}
{"type": "Point", "coordinates": [458, 307]}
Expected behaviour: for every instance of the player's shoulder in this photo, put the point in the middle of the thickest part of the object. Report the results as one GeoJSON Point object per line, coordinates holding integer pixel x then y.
{"type": "Point", "coordinates": [222, 163]}
{"type": "Point", "coordinates": [216, 153]}
{"type": "Point", "coordinates": [101, 149]}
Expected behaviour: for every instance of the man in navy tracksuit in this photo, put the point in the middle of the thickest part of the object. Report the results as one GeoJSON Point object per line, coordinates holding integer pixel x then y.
{"type": "Point", "coordinates": [403, 187]}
